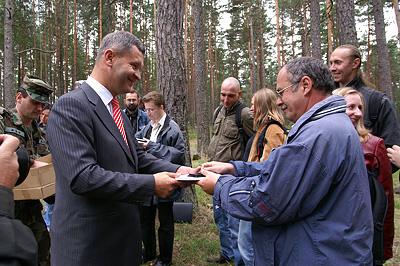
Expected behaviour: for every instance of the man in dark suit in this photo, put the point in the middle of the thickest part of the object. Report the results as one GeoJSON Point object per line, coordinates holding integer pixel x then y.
{"type": "Point", "coordinates": [102, 172]}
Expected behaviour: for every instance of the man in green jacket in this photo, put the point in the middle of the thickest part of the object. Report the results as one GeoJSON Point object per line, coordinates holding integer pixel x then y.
{"type": "Point", "coordinates": [226, 145]}
{"type": "Point", "coordinates": [21, 122]}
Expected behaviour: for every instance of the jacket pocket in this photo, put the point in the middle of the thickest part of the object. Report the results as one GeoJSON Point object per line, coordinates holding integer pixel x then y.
{"type": "Point", "coordinates": [230, 130]}
{"type": "Point", "coordinates": [216, 126]}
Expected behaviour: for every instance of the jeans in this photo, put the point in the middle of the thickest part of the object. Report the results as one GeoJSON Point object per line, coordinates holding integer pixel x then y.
{"type": "Point", "coordinates": [228, 234]}
{"type": "Point", "coordinates": [48, 213]}
{"type": "Point", "coordinates": [245, 243]}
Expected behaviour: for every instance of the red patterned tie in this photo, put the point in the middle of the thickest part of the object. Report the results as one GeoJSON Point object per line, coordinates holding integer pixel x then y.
{"type": "Point", "coordinates": [118, 118]}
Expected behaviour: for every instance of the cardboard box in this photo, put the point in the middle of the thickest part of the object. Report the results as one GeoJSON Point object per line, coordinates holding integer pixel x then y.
{"type": "Point", "coordinates": [40, 182]}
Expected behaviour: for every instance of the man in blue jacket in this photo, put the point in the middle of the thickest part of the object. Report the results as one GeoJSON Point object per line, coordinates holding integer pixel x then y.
{"type": "Point", "coordinates": [138, 118]}
{"type": "Point", "coordinates": [310, 201]}
{"type": "Point", "coordinates": [162, 138]}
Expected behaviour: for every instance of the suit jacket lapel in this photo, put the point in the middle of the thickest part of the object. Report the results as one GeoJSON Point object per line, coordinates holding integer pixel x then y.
{"type": "Point", "coordinates": [105, 117]}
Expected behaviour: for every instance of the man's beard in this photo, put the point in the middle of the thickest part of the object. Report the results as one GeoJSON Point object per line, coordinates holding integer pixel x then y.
{"type": "Point", "coordinates": [132, 108]}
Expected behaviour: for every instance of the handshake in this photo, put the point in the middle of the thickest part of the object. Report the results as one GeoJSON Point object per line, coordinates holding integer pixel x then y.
{"type": "Point", "coordinates": [165, 182]}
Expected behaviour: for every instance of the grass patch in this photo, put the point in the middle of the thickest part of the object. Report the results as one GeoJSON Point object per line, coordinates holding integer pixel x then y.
{"type": "Point", "coordinates": [396, 242]}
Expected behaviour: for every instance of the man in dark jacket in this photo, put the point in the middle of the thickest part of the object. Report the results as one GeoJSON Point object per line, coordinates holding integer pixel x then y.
{"type": "Point", "coordinates": [345, 65]}
{"type": "Point", "coordinates": [162, 138]}
{"type": "Point", "coordinates": [138, 118]}
{"type": "Point", "coordinates": [17, 243]}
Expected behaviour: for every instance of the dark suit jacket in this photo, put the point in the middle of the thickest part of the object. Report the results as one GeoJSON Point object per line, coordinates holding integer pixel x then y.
{"type": "Point", "coordinates": [99, 183]}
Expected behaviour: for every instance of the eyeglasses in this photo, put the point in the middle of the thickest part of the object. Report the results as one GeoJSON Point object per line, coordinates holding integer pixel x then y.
{"type": "Point", "coordinates": [150, 110]}
{"type": "Point", "coordinates": [280, 92]}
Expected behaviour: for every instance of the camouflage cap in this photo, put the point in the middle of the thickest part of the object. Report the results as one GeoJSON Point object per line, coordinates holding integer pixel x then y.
{"type": "Point", "coordinates": [36, 88]}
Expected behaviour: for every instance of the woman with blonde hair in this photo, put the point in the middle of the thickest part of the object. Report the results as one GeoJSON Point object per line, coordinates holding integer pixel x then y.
{"type": "Point", "coordinates": [268, 124]}
{"type": "Point", "coordinates": [372, 145]}
{"type": "Point", "coordinates": [268, 120]}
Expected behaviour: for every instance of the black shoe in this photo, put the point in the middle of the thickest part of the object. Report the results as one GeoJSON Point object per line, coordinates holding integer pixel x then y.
{"type": "Point", "coordinates": [144, 260]}
{"type": "Point", "coordinates": [220, 260]}
{"type": "Point", "coordinates": [160, 263]}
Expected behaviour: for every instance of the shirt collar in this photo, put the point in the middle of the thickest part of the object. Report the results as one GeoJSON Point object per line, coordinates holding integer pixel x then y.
{"type": "Point", "coordinates": [161, 122]}
{"type": "Point", "coordinates": [104, 94]}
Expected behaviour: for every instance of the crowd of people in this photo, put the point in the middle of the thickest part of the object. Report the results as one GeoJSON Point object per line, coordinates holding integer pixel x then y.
{"type": "Point", "coordinates": [280, 197]}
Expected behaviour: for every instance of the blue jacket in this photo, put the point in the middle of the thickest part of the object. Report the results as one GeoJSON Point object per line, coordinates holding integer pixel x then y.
{"type": "Point", "coordinates": [170, 146]}
{"type": "Point", "coordinates": [142, 119]}
{"type": "Point", "coordinates": [310, 201]}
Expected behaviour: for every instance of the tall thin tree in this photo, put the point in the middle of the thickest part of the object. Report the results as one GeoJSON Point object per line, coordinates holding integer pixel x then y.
{"type": "Point", "coordinates": [315, 29]}
{"type": "Point", "coordinates": [397, 15]}
{"type": "Point", "coordinates": [202, 103]}
{"type": "Point", "coordinates": [253, 82]}
{"type": "Point", "coordinates": [329, 6]}
{"type": "Point", "coordinates": [75, 46]}
{"type": "Point", "coordinates": [346, 24]}
{"type": "Point", "coordinates": [278, 34]}
{"type": "Point", "coordinates": [66, 68]}
{"type": "Point", "coordinates": [385, 80]}
{"type": "Point", "coordinates": [9, 84]}
{"type": "Point", "coordinates": [171, 72]}
{"type": "Point", "coordinates": [262, 57]}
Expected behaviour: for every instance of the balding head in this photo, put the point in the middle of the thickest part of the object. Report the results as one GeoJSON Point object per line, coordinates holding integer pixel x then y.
{"type": "Point", "coordinates": [230, 92]}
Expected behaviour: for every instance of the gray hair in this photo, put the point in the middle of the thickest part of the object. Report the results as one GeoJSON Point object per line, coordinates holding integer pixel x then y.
{"type": "Point", "coordinates": [121, 42]}
{"type": "Point", "coordinates": [315, 69]}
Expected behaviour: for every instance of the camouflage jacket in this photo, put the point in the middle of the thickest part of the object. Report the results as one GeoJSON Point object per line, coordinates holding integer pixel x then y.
{"type": "Point", "coordinates": [32, 138]}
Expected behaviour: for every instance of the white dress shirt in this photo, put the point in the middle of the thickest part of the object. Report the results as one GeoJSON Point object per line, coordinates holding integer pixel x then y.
{"type": "Point", "coordinates": [104, 94]}
{"type": "Point", "coordinates": [157, 128]}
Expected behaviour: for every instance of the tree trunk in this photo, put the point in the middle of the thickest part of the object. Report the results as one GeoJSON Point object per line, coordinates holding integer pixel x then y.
{"type": "Point", "coordinates": [305, 35]}
{"type": "Point", "coordinates": [278, 35]}
{"type": "Point", "coordinates": [369, 49]}
{"type": "Point", "coordinates": [202, 103]}
{"type": "Point", "coordinates": [187, 65]}
{"type": "Point", "coordinates": [208, 66]}
{"type": "Point", "coordinates": [9, 85]}
{"type": "Point", "coordinates": [315, 29]}
{"type": "Point", "coordinates": [262, 57]}
{"type": "Point", "coordinates": [397, 14]}
{"type": "Point", "coordinates": [192, 68]}
{"type": "Point", "coordinates": [66, 69]}
{"type": "Point", "coordinates": [87, 56]}
{"type": "Point", "coordinates": [100, 20]}
{"type": "Point", "coordinates": [171, 73]}
{"type": "Point", "coordinates": [385, 80]}
{"type": "Point", "coordinates": [346, 24]}
{"type": "Point", "coordinates": [213, 85]}
{"type": "Point", "coordinates": [75, 46]}
{"type": "Point", "coordinates": [329, 5]}
{"type": "Point", "coordinates": [34, 71]}
{"type": "Point", "coordinates": [130, 16]}
{"type": "Point", "coordinates": [254, 84]}
{"type": "Point", "coordinates": [58, 51]}
{"type": "Point", "coordinates": [292, 36]}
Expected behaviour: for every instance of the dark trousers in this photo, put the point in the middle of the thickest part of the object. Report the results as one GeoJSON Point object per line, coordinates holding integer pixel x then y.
{"type": "Point", "coordinates": [165, 231]}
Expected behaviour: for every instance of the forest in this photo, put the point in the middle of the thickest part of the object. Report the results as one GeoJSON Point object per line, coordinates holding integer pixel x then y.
{"type": "Point", "coordinates": [193, 45]}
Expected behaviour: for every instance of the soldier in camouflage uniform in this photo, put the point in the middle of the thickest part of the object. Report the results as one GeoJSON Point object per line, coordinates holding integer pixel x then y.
{"type": "Point", "coordinates": [21, 122]}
